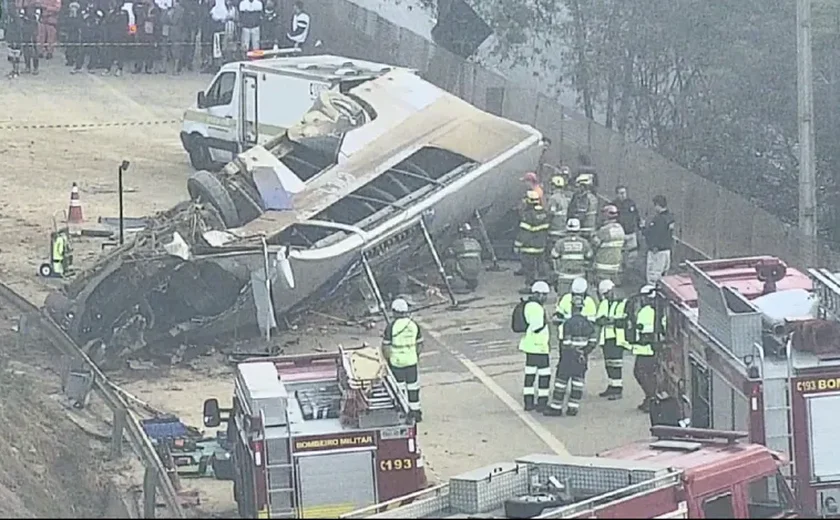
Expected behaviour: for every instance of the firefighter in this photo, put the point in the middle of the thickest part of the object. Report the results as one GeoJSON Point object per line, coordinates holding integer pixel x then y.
{"type": "Point", "coordinates": [577, 296]}
{"type": "Point", "coordinates": [465, 258]}
{"type": "Point", "coordinates": [578, 340]}
{"type": "Point", "coordinates": [644, 323]}
{"type": "Point", "coordinates": [535, 345]}
{"type": "Point", "coordinates": [530, 242]}
{"type": "Point", "coordinates": [401, 345]}
{"type": "Point", "coordinates": [611, 320]}
{"type": "Point", "coordinates": [533, 184]}
{"type": "Point", "coordinates": [608, 244]}
{"type": "Point", "coordinates": [584, 204]}
{"type": "Point", "coordinates": [60, 253]}
{"type": "Point", "coordinates": [570, 257]}
{"type": "Point", "coordinates": [558, 208]}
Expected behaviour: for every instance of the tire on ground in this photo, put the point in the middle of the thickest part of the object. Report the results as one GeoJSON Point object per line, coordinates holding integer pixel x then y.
{"type": "Point", "coordinates": [205, 187]}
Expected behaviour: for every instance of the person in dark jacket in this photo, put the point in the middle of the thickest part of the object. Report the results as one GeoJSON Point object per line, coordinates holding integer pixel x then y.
{"type": "Point", "coordinates": [29, 28]}
{"type": "Point", "coordinates": [659, 237]}
{"type": "Point", "coordinates": [90, 21]}
{"type": "Point", "coordinates": [191, 26]}
{"type": "Point", "coordinates": [148, 33]}
{"type": "Point", "coordinates": [118, 28]}
{"type": "Point", "coordinates": [15, 39]}
{"type": "Point", "coordinates": [270, 32]}
{"type": "Point", "coordinates": [179, 36]}
{"type": "Point", "coordinates": [71, 26]}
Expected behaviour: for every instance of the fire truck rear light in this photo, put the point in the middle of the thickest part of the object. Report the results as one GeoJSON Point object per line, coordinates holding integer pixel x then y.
{"type": "Point", "coordinates": [754, 403]}
{"type": "Point", "coordinates": [411, 446]}
{"type": "Point", "coordinates": [420, 462]}
{"type": "Point", "coordinates": [258, 458]}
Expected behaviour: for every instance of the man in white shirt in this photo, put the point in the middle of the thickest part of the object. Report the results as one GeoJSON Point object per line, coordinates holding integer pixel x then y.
{"type": "Point", "coordinates": [300, 27]}
{"type": "Point", "coordinates": [250, 18]}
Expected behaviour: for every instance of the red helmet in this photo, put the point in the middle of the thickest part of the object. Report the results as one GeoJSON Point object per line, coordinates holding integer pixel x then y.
{"type": "Point", "coordinates": [531, 177]}
{"type": "Point", "coordinates": [610, 211]}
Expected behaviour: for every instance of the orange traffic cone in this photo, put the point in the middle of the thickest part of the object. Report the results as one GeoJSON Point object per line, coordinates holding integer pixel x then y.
{"type": "Point", "coordinates": [74, 215]}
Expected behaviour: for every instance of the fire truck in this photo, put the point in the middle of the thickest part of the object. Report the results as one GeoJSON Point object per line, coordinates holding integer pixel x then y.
{"type": "Point", "coordinates": [753, 344]}
{"type": "Point", "coordinates": [682, 473]}
{"type": "Point", "coordinates": [314, 436]}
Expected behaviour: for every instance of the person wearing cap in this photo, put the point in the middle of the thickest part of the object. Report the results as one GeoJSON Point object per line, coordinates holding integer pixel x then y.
{"type": "Point", "coordinates": [465, 259]}
{"type": "Point", "coordinates": [401, 344]}
{"type": "Point", "coordinates": [531, 239]}
{"type": "Point", "coordinates": [645, 331]}
{"type": "Point", "coordinates": [584, 204]}
{"type": "Point", "coordinates": [577, 296]}
{"type": "Point", "coordinates": [578, 338]}
{"type": "Point", "coordinates": [535, 344]}
{"type": "Point", "coordinates": [558, 208]}
{"type": "Point", "coordinates": [570, 257]}
{"type": "Point", "coordinates": [659, 237]}
{"type": "Point", "coordinates": [611, 319]}
{"type": "Point", "coordinates": [533, 183]}
{"type": "Point", "coordinates": [608, 244]}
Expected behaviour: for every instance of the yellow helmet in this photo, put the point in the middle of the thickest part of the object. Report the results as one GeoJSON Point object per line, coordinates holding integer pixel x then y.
{"type": "Point", "coordinates": [558, 181]}
{"type": "Point", "coordinates": [532, 196]}
{"type": "Point", "coordinates": [584, 179]}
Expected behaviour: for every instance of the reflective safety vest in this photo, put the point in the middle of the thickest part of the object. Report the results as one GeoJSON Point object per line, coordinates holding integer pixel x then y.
{"type": "Point", "coordinates": [533, 231]}
{"type": "Point", "coordinates": [608, 243]}
{"type": "Point", "coordinates": [616, 315]}
{"type": "Point", "coordinates": [536, 337]}
{"type": "Point", "coordinates": [58, 248]}
{"type": "Point", "coordinates": [404, 336]}
{"type": "Point", "coordinates": [646, 317]}
{"type": "Point", "coordinates": [563, 311]}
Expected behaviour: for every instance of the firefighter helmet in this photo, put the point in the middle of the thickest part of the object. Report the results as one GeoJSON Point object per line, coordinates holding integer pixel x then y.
{"type": "Point", "coordinates": [584, 179]}
{"type": "Point", "coordinates": [565, 170]}
{"type": "Point", "coordinates": [532, 196]}
{"type": "Point", "coordinates": [573, 225]}
{"type": "Point", "coordinates": [540, 287]}
{"type": "Point", "coordinates": [605, 286]}
{"type": "Point", "coordinates": [399, 305]}
{"type": "Point", "coordinates": [465, 228]}
{"type": "Point", "coordinates": [558, 181]}
{"type": "Point", "coordinates": [648, 290]}
{"type": "Point", "coordinates": [610, 211]}
{"type": "Point", "coordinates": [579, 286]}
{"type": "Point", "coordinates": [531, 177]}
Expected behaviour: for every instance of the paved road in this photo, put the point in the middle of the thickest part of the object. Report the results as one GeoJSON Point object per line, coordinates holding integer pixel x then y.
{"type": "Point", "coordinates": [471, 374]}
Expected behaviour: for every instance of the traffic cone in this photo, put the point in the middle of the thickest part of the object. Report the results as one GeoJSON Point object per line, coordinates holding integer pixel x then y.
{"type": "Point", "coordinates": [74, 215]}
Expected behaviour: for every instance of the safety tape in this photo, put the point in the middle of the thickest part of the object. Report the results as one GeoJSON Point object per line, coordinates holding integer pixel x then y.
{"type": "Point", "coordinates": [89, 126]}
{"type": "Point", "coordinates": [61, 45]}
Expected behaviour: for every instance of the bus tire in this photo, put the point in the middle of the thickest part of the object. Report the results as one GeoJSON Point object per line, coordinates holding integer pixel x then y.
{"type": "Point", "coordinates": [205, 187]}
{"type": "Point", "coordinates": [199, 153]}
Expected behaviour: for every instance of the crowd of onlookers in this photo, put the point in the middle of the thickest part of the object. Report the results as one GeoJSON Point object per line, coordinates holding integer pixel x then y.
{"type": "Point", "coordinates": [151, 36]}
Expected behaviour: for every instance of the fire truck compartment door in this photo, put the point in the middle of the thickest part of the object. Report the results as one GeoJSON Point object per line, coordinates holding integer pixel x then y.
{"type": "Point", "coordinates": [335, 483]}
{"type": "Point", "coordinates": [824, 423]}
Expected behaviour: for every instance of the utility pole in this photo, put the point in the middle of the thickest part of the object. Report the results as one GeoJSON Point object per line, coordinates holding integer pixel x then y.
{"type": "Point", "coordinates": [807, 170]}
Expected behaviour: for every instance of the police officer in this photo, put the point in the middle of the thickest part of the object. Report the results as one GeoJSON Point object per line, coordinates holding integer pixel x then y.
{"type": "Point", "coordinates": [530, 242]}
{"type": "Point", "coordinates": [611, 320]}
{"type": "Point", "coordinates": [535, 344]}
{"type": "Point", "coordinates": [578, 340]}
{"type": "Point", "coordinates": [467, 258]}
{"type": "Point", "coordinates": [608, 243]}
{"type": "Point", "coordinates": [401, 345]}
{"type": "Point", "coordinates": [570, 257]}
{"type": "Point", "coordinates": [577, 296]}
{"type": "Point", "coordinates": [558, 208]}
{"type": "Point", "coordinates": [644, 323]}
{"type": "Point", "coordinates": [584, 204]}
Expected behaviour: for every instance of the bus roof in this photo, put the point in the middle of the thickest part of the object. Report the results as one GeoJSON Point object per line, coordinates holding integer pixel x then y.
{"type": "Point", "coordinates": [738, 274]}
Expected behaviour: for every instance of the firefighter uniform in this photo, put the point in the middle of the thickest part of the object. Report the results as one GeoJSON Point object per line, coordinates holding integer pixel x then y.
{"type": "Point", "coordinates": [535, 344]}
{"type": "Point", "coordinates": [578, 340]}
{"type": "Point", "coordinates": [401, 343]}
{"type": "Point", "coordinates": [467, 258]}
{"type": "Point", "coordinates": [570, 257]}
{"type": "Point", "coordinates": [576, 298]}
{"type": "Point", "coordinates": [611, 319]}
{"type": "Point", "coordinates": [530, 242]}
{"type": "Point", "coordinates": [584, 204]}
{"type": "Point", "coordinates": [608, 244]}
{"type": "Point", "coordinates": [558, 208]}
{"type": "Point", "coordinates": [644, 369]}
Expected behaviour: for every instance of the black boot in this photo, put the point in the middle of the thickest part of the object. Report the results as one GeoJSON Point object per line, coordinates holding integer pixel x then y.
{"type": "Point", "coordinates": [529, 403]}
{"type": "Point", "coordinates": [645, 406]}
{"type": "Point", "coordinates": [616, 395]}
{"type": "Point", "coordinates": [418, 416]}
{"type": "Point", "coordinates": [571, 412]}
{"type": "Point", "coordinates": [608, 392]}
{"type": "Point", "coordinates": [553, 412]}
{"type": "Point", "coordinates": [542, 404]}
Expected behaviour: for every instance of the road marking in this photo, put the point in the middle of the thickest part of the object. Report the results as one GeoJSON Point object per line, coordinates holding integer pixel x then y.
{"type": "Point", "coordinates": [539, 430]}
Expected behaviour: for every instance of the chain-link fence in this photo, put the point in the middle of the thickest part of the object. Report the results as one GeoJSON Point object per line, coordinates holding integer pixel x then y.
{"type": "Point", "coordinates": [712, 221]}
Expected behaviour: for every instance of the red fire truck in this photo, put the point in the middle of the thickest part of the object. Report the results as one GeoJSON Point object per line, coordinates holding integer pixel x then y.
{"type": "Point", "coordinates": [752, 344]}
{"type": "Point", "coordinates": [314, 436]}
{"type": "Point", "coordinates": [683, 473]}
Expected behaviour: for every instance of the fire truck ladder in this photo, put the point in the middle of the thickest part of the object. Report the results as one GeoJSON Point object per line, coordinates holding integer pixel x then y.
{"type": "Point", "coordinates": [374, 385]}
{"type": "Point", "coordinates": [778, 418]}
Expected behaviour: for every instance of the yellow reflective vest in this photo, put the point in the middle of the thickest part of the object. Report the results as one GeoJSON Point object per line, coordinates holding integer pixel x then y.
{"type": "Point", "coordinates": [536, 337]}
{"type": "Point", "coordinates": [616, 315]}
{"type": "Point", "coordinates": [563, 311]}
{"type": "Point", "coordinates": [646, 317]}
{"type": "Point", "coordinates": [403, 339]}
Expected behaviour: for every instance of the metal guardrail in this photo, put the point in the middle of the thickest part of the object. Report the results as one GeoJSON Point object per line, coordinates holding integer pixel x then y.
{"type": "Point", "coordinates": [125, 420]}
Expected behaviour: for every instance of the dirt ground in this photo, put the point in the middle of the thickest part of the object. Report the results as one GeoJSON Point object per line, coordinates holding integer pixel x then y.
{"type": "Point", "coordinates": [471, 374]}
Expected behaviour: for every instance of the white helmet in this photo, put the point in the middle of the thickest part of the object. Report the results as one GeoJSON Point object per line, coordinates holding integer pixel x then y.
{"type": "Point", "coordinates": [647, 290]}
{"type": "Point", "coordinates": [399, 305]}
{"type": "Point", "coordinates": [540, 287]}
{"type": "Point", "coordinates": [579, 286]}
{"type": "Point", "coordinates": [573, 225]}
{"type": "Point", "coordinates": [605, 286]}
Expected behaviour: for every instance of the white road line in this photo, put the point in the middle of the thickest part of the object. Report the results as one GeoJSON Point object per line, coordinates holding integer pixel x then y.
{"type": "Point", "coordinates": [539, 430]}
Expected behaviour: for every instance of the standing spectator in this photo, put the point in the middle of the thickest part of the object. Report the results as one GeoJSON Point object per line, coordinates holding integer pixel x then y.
{"type": "Point", "coordinates": [29, 40]}
{"type": "Point", "coordinates": [163, 29]}
{"type": "Point", "coordinates": [209, 27]}
{"type": "Point", "coordinates": [659, 235]}
{"type": "Point", "coordinates": [269, 30]}
{"type": "Point", "coordinates": [89, 30]}
{"type": "Point", "coordinates": [250, 18]}
{"type": "Point", "coordinates": [628, 217]}
{"type": "Point", "coordinates": [230, 45]}
{"type": "Point", "coordinates": [47, 18]}
{"type": "Point", "coordinates": [220, 16]}
{"type": "Point", "coordinates": [16, 39]}
{"type": "Point", "coordinates": [190, 24]}
{"type": "Point", "coordinates": [147, 35]}
{"type": "Point", "coordinates": [178, 36]}
{"type": "Point", "coordinates": [120, 28]}
{"type": "Point", "coordinates": [300, 27]}
{"type": "Point", "coordinates": [73, 33]}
